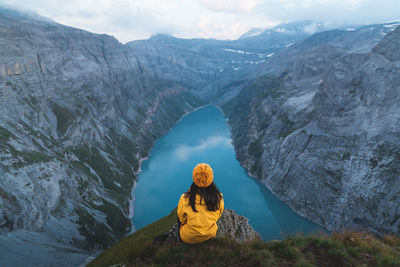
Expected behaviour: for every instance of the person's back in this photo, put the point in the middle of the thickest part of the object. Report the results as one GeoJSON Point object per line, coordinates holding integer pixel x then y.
{"type": "Point", "coordinates": [200, 207]}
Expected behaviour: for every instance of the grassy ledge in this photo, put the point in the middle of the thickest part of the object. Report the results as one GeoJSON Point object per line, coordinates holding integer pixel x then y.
{"type": "Point", "coordinates": [135, 245]}
{"type": "Point", "coordinates": [338, 249]}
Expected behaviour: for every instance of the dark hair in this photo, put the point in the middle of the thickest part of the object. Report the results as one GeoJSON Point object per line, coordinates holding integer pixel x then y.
{"type": "Point", "coordinates": [211, 195]}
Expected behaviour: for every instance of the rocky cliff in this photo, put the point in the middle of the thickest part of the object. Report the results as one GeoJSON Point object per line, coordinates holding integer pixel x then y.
{"type": "Point", "coordinates": [78, 113]}
{"type": "Point", "coordinates": [320, 129]}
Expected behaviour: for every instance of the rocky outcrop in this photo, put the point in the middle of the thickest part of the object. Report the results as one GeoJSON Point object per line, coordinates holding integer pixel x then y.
{"type": "Point", "coordinates": [236, 227]}
{"type": "Point", "coordinates": [230, 225]}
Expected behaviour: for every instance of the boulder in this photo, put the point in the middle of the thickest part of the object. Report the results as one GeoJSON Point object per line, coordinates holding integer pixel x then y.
{"type": "Point", "coordinates": [230, 225]}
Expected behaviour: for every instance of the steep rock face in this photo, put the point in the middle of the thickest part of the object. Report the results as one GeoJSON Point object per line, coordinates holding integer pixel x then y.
{"type": "Point", "coordinates": [208, 65]}
{"type": "Point", "coordinates": [325, 139]}
{"type": "Point", "coordinates": [230, 225]}
{"type": "Point", "coordinates": [390, 46]}
{"type": "Point", "coordinates": [78, 114]}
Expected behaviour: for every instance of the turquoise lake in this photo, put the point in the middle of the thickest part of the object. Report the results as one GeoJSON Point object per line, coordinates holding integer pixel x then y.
{"type": "Point", "coordinates": [204, 136]}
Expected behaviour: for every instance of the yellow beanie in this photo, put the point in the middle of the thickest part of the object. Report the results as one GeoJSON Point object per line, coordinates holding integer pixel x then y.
{"type": "Point", "coordinates": [203, 175]}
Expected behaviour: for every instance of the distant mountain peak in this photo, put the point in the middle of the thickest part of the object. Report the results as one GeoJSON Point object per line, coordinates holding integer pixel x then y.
{"type": "Point", "coordinates": [161, 35]}
{"type": "Point", "coordinates": [389, 47]}
{"type": "Point", "coordinates": [252, 32]}
{"type": "Point", "coordinates": [307, 27]}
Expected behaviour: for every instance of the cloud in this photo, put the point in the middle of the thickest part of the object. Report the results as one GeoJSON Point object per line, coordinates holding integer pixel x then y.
{"type": "Point", "coordinates": [184, 151]}
{"type": "Point", "coordinates": [233, 6]}
{"type": "Point", "coordinates": [221, 19]}
{"type": "Point", "coordinates": [332, 12]}
{"type": "Point", "coordinates": [124, 19]}
{"type": "Point", "coordinates": [227, 27]}
{"type": "Point", "coordinates": [311, 28]}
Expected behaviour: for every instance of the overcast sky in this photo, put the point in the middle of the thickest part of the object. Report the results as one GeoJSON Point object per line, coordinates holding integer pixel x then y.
{"type": "Point", "coordinates": [221, 19]}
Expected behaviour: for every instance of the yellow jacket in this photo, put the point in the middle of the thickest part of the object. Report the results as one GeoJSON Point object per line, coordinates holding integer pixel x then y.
{"type": "Point", "coordinates": [197, 226]}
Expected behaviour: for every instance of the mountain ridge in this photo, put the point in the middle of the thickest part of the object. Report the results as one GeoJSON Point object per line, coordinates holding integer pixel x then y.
{"type": "Point", "coordinates": [289, 118]}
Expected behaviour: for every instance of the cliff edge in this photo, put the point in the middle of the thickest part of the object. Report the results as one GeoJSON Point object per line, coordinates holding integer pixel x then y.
{"type": "Point", "coordinates": [237, 244]}
{"type": "Point", "coordinates": [163, 232]}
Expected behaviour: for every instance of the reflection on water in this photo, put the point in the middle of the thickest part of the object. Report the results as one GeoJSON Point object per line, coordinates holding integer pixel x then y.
{"type": "Point", "coordinates": [183, 151]}
{"type": "Point", "coordinates": [203, 136]}
{"type": "Point", "coordinates": [285, 217]}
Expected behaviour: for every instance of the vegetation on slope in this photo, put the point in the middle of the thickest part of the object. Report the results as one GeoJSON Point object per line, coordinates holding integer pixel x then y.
{"type": "Point", "coordinates": [137, 245]}
{"type": "Point", "coordinates": [338, 249]}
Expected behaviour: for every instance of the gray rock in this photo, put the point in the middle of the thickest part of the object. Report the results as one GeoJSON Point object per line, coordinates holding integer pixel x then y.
{"type": "Point", "coordinates": [230, 225]}
{"type": "Point", "coordinates": [390, 46]}
{"type": "Point", "coordinates": [236, 227]}
{"type": "Point", "coordinates": [322, 132]}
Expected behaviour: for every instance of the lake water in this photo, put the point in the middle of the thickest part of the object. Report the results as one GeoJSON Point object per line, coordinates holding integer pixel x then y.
{"type": "Point", "coordinates": [204, 136]}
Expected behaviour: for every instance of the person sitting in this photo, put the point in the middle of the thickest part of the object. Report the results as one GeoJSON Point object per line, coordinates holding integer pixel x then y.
{"type": "Point", "coordinates": [200, 207]}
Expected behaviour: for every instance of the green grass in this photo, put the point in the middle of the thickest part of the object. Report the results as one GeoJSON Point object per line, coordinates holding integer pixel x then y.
{"type": "Point", "coordinates": [136, 246]}
{"type": "Point", "coordinates": [255, 150]}
{"type": "Point", "coordinates": [27, 157]}
{"type": "Point", "coordinates": [64, 117]}
{"type": "Point", "coordinates": [338, 249]}
{"type": "Point", "coordinates": [287, 125]}
{"type": "Point", "coordinates": [96, 233]}
{"type": "Point", "coordinates": [5, 135]}
{"type": "Point", "coordinates": [121, 173]}
{"type": "Point", "coordinates": [34, 156]}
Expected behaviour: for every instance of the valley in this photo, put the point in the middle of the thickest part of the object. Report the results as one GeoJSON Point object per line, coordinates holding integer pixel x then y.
{"type": "Point", "coordinates": [312, 116]}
